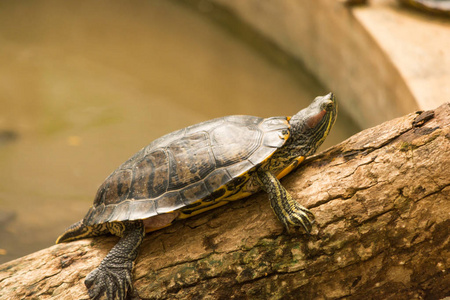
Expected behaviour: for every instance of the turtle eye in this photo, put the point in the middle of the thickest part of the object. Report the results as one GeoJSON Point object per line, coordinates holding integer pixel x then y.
{"type": "Point", "coordinates": [327, 105]}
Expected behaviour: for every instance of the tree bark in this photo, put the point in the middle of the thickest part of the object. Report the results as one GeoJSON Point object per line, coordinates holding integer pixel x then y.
{"type": "Point", "coordinates": [382, 205]}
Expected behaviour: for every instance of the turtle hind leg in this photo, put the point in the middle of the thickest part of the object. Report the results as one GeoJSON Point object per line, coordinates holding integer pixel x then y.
{"type": "Point", "coordinates": [113, 276]}
{"type": "Point", "coordinates": [286, 208]}
{"type": "Point", "coordinates": [79, 231]}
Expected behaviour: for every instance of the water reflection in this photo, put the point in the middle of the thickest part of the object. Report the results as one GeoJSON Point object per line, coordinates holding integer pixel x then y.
{"type": "Point", "coordinates": [84, 85]}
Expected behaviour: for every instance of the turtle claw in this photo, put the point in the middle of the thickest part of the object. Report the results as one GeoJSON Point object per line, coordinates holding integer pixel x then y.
{"type": "Point", "coordinates": [115, 282]}
{"type": "Point", "coordinates": [301, 216]}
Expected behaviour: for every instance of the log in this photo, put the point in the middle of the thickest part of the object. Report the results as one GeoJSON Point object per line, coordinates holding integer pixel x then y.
{"type": "Point", "coordinates": [381, 200]}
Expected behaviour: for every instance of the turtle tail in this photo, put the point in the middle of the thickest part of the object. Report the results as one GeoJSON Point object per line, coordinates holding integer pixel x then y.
{"type": "Point", "coordinates": [79, 231]}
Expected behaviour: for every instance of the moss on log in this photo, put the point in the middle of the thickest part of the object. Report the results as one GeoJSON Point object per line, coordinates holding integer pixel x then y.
{"type": "Point", "coordinates": [381, 200]}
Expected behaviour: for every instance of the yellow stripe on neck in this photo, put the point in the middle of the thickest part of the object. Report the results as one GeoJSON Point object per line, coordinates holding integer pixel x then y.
{"type": "Point", "coordinates": [290, 167]}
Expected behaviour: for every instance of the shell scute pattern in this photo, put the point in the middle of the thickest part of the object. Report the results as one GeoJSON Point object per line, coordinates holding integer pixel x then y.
{"type": "Point", "coordinates": [188, 169]}
{"type": "Point", "coordinates": [274, 124]}
{"type": "Point", "coordinates": [191, 160]}
{"type": "Point", "coordinates": [275, 139]}
{"type": "Point", "coordinates": [151, 175]}
{"type": "Point", "coordinates": [140, 208]}
{"type": "Point", "coordinates": [105, 214]}
{"type": "Point", "coordinates": [217, 179]}
{"type": "Point", "coordinates": [170, 202]}
{"type": "Point", "coordinates": [194, 192]}
{"type": "Point", "coordinates": [229, 148]}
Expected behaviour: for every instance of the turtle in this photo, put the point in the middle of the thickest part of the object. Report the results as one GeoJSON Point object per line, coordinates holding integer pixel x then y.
{"type": "Point", "coordinates": [193, 170]}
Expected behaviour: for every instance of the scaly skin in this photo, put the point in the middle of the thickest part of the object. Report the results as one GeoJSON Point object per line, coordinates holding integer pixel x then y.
{"type": "Point", "coordinates": [297, 139]}
{"type": "Point", "coordinates": [288, 211]}
{"type": "Point", "coordinates": [113, 276]}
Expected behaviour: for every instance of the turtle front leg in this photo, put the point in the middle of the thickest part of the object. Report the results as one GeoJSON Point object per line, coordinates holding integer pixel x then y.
{"type": "Point", "coordinates": [113, 275]}
{"type": "Point", "coordinates": [288, 211]}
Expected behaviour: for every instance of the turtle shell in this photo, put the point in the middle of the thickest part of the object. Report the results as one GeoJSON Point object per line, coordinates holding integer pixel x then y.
{"type": "Point", "coordinates": [187, 166]}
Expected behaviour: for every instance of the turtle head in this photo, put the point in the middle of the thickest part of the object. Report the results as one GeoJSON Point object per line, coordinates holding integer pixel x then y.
{"type": "Point", "coordinates": [310, 126]}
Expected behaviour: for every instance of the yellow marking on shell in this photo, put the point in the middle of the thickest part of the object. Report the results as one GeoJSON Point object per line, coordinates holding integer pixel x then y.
{"type": "Point", "coordinates": [231, 194]}
{"type": "Point", "coordinates": [239, 196]}
{"type": "Point", "coordinates": [287, 133]}
{"type": "Point", "coordinates": [228, 196]}
{"type": "Point", "coordinates": [201, 208]}
{"type": "Point", "coordinates": [291, 167]}
{"type": "Point", "coordinates": [285, 137]}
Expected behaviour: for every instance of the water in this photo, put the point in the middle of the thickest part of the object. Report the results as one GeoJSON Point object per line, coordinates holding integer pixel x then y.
{"type": "Point", "coordinates": [85, 84]}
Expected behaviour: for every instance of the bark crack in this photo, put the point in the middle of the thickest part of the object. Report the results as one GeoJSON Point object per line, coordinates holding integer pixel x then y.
{"type": "Point", "coordinates": [382, 210]}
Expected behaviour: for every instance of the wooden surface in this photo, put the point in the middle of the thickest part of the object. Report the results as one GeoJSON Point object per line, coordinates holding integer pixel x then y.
{"type": "Point", "coordinates": [381, 200]}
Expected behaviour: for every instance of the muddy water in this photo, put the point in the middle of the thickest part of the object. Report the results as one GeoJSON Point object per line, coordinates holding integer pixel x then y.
{"type": "Point", "coordinates": [85, 84]}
